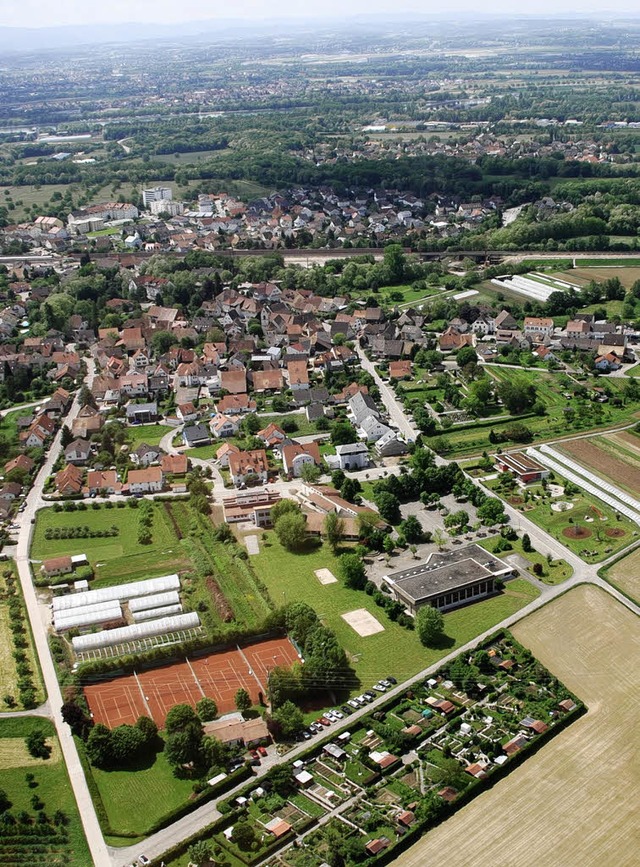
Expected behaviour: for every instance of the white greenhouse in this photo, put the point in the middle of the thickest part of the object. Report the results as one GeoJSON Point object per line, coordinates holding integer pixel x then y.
{"type": "Point", "coordinates": [166, 611]}
{"type": "Point", "coordinates": [135, 632]}
{"type": "Point", "coordinates": [121, 592]}
{"type": "Point", "coordinates": [158, 600]}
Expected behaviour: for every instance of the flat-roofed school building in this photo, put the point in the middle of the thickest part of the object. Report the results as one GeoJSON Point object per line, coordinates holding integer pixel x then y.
{"type": "Point", "coordinates": [447, 580]}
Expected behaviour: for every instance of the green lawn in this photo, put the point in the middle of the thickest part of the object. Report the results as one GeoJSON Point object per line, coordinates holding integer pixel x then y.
{"type": "Point", "coordinates": [303, 426]}
{"type": "Point", "coordinates": [54, 790]}
{"type": "Point", "coordinates": [205, 453]}
{"type": "Point", "coordinates": [556, 573]}
{"type": "Point", "coordinates": [151, 434]}
{"type": "Point", "coordinates": [135, 799]}
{"type": "Point", "coordinates": [8, 667]}
{"type": "Point", "coordinates": [290, 577]}
{"type": "Point", "coordinates": [117, 558]}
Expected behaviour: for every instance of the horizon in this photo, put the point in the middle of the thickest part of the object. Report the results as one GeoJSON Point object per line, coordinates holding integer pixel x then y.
{"type": "Point", "coordinates": [39, 15]}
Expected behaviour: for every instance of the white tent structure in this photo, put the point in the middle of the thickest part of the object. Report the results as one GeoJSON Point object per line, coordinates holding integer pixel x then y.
{"type": "Point", "coordinates": [120, 593]}
{"type": "Point", "coordinates": [135, 632]}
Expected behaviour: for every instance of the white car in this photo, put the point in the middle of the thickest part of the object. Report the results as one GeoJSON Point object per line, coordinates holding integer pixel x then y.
{"type": "Point", "coordinates": [338, 714]}
{"type": "Point", "coordinates": [352, 702]}
{"type": "Point", "coordinates": [379, 687]}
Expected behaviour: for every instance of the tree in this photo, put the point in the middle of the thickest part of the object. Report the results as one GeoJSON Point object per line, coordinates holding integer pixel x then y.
{"type": "Point", "coordinates": [517, 395]}
{"type": "Point", "coordinates": [99, 746]}
{"type": "Point", "coordinates": [388, 506]}
{"type": "Point", "coordinates": [492, 512]}
{"type": "Point", "coordinates": [333, 530]}
{"type": "Point", "coordinates": [283, 507]}
{"type": "Point", "coordinates": [199, 852]}
{"type": "Point", "coordinates": [37, 744]}
{"type": "Point", "coordinates": [251, 424]}
{"type": "Point", "coordinates": [242, 700]}
{"type": "Point", "coordinates": [243, 835]}
{"type": "Point", "coordinates": [76, 718]}
{"type": "Point", "coordinates": [343, 434]}
{"type": "Point", "coordinates": [126, 742]}
{"type": "Point", "coordinates": [180, 717]}
{"type": "Point", "coordinates": [291, 530]}
{"type": "Point", "coordinates": [5, 803]}
{"type": "Point", "coordinates": [148, 728]}
{"type": "Point", "coordinates": [429, 625]}
{"type": "Point", "coordinates": [466, 355]}
{"type": "Point", "coordinates": [350, 489]}
{"type": "Point", "coordinates": [207, 709]}
{"type": "Point", "coordinates": [183, 748]}
{"type": "Point", "coordinates": [310, 473]}
{"type": "Point", "coordinates": [66, 437]}
{"type": "Point", "coordinates": [290, 719]}
{"type": "Point", "coordinates": [352, 571]}
{"type": "Point", "coordinates": [337, 479]}
{"type": "Point", "coordinates": [526, 543]}
{"type": "Point", "coordinates": [411, 529]}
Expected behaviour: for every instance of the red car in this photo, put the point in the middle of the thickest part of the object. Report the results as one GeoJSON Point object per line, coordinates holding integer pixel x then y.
{"type": "Point", "coordinates": [324, 721]}
{"type": "Point", "coordinates": [262, 751]}
{"type": "Point", "coordinates": [253, 754]}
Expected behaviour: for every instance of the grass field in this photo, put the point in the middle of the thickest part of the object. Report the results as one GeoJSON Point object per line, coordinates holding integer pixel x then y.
{"type": "Point", "coordinates": [556, 573]}
{"type": "Point", "coordinates": [118, 558]}
{"type": "Point", "coordinates": [53, 789]}
{"type": "Point", "coordinates": [625, 575]}
{"type": "Point", "coordinates": [151, 434]}
{"type": "Point", "coordinates": [135, 799]}
{"type": "Point", "coordinates": [290, 577]}
{"type": "Point", "coordinates": [588, 770]}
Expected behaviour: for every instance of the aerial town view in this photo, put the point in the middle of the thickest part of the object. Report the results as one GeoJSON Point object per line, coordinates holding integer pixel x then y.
{"type": "Point", "coordinates": [319, 435]}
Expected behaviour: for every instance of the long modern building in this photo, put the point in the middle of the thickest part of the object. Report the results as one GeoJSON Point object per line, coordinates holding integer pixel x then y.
{"type": "Point", "coordinates": [447, 580]}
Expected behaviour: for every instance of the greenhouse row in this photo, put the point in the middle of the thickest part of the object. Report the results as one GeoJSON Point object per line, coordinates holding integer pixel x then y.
{"type": "Point", "coordinates": [157, 612]}
{"type": "Point", "coordinates": [135, 632]}
{"type": "Point", "coordinates": [158, 600]}
{"type": "Point", "coordinates": [119, 593]}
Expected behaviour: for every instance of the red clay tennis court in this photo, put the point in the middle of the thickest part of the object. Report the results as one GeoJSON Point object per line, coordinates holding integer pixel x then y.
{"type": "Point", "coordinates": [115, 702]}
{"type": "Point", "coordinates": [217, 676]}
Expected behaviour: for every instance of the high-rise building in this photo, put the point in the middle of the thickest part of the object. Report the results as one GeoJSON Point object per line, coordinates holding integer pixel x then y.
{"type": "Point", "coordinates": [156, 194]}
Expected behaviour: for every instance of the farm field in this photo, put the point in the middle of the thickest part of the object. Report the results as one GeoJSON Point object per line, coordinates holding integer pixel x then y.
{"type": "Point", "coordinates": [586, 770]}
{"type": "Point", "coordinates": [583, 274]}
{"type": "Point", "coordinates": [65, 844]}
{"type": "Point", "coordinates": [117, 558]}
{"type": "Point", "coordinates": [396, 650]}
{"type": "Point", "coordinates": [625, 575]}
{"type": "Point", "coordinates": [615, 458]}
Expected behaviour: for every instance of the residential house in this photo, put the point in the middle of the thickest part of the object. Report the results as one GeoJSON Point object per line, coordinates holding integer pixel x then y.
{"type": "Point", "coordinates": [236, 403]}
{"type": "Point", "coordinates": [187, 412]}
{"type": "Point", "coordinates": [372, 429]}
{"type": "Point", "coordinates": [56, 566]}
{"type": "Point", "coordinates": [77, 452]}
{"type": "Point", "coordinates": [223, 426]}
{"type": "Point", "coordinates": [272, 435]}
{"type": "Point", "coordinates": [195, 436]}
{"type": "Point", "coordinates": [233, 381]}
{"type": "Point", "coordinates": [296, 456]}
{"type": "Point", "coordinates": [149, 480]}
{"type": "Point", "coordinates": [103, 482]}
{"type": "Point", "coordinates": [298, 375]}
{"type": "Point", "coordinates": [249, 467]}
{"type": "Point", "coordinates": [87, 422]}
{"type": "Point", "coordinates": [538, 325]}
{"type": "Point", "coordinates": [68, 481]}
{"type": "Point", "coordinates": [222, 455]}
{"type": "Point", "coordinates": [390, 444]}
{"type": "Point", "coordinates": [145, 455]}
{"type": "Point", "coordinates": [354, 456]}
{"type": "Point", "coordinates": [175, 465]}
{"type": "Point", "coordinates": [141, 413]}
{"type": "Point", "coordinates": [21, 462]}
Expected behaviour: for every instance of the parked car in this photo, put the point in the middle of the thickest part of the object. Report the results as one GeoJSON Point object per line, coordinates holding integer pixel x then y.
{"type": "Point", "coordinates": [368, 692]}
{"type": "Point", "coordinates": [391, 679]}
{"type": "Point", "coordinates": [143, 860]}
{"type": "Point", "coordinates": [331, 716]}
{"type": "Point", "coordinates": [253, 754]}
{"type": "Point", "coordinates": [262, 751]}
{"type": "Point", "coordinates": [353, 703]}
{"type": "Point", "coordinates": [385, 683]}
{"type": "Point", "coordinates": [366, 698]}
{"type": "Point", "coordinates": [306, 735]}
{"type": "Point", "coordinates": [338, 714]}
{"type": "Point", "coordinates": [345, 708]}
{"type": "Point", "coordinates": [324, 721]}
{"type": "Point", "coordinates": [254, 762]}
{"type": "Point", "coordinates": [379, 687]}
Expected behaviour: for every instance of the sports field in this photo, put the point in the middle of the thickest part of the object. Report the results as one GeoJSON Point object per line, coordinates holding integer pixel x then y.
{"type": "Point", "coordinates": [573, 802]}
{"type": "Point", "coordinates": [218, 676]}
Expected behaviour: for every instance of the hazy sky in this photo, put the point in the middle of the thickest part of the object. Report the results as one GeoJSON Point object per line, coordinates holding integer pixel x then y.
{"type": "Point", "coordinates": [44, 13]}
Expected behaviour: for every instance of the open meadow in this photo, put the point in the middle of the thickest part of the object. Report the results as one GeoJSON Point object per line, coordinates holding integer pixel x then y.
{"type": "Point", "coordinates": [573, 801]}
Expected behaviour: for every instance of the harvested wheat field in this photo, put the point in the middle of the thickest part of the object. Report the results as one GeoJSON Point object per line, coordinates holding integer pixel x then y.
{"type": "Point", "coordinates": [575, 801]}
{"type": "Point", "coordinates": [625, 574]}
{"type": "Point", "coordinates": [609, 458]}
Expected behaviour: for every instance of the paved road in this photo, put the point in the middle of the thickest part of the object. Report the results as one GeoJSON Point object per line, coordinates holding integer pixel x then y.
{"type": "Point", "coordinates": [88, 816]}
{"type": "Point", "coordinates": [391, 403]}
